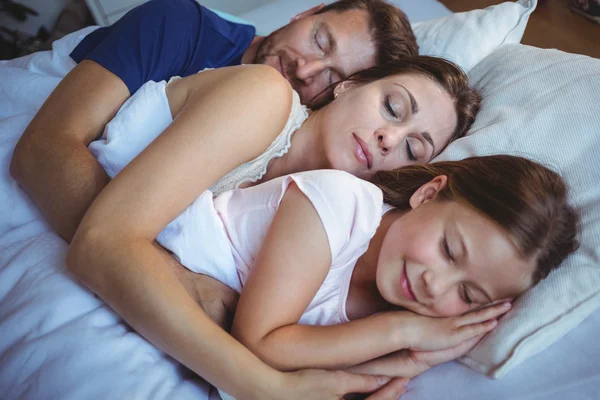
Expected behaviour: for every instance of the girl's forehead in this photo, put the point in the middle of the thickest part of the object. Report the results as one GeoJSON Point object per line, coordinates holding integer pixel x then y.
{"type": "Point", "coordinates": [490, 253]}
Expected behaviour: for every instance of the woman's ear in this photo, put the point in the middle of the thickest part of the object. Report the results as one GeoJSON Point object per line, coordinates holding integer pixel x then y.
{"type": "Point", "coordinates": [428, 191]}
{"type": "Point", "coordinates": [308, 12]}
{"type": "Point", "coordinates": [342, 87]}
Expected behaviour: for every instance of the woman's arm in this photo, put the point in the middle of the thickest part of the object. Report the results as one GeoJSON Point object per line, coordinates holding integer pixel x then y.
{"type": "Point", "coordinates": [289, 270]}
{"type": "Point", "coordinates": [112, 251]}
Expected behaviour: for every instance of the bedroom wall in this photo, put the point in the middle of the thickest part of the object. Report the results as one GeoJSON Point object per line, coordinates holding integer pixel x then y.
{"type": "Point", "coordinates": [234, 7]}
{"type": "Point", "coordinates": [48, 13]}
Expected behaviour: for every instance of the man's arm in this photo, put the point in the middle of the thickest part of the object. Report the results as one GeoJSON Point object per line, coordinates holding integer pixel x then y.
{"type": "Point", "coordinates": [51, 160]}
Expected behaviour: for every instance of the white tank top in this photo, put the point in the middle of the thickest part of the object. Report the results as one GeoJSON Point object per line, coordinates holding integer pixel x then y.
{"type": "Point", "coordinates": [146, 114]}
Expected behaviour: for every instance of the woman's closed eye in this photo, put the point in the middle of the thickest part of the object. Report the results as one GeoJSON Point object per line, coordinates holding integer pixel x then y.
{"type": "Point", "coordinates": [409, 152]}
{"type": "Point", "coordinates": [389, 107]}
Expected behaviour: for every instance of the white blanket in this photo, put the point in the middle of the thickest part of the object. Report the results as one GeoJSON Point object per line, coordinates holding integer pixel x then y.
{"type": "Point", "coordinates": [58, 340]}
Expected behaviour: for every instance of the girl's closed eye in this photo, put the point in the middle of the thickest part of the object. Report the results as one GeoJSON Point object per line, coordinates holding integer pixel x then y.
{"type": "Point", "coordinates": [447, 250]}
{"type": "Point", "coordinates": [465, 295]}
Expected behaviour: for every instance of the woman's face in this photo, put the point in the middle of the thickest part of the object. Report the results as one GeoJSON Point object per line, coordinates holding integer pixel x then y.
{"type": "Point", "coordinates": [444, 258]}
{"type": "Point", "coordinates": [386, 124]}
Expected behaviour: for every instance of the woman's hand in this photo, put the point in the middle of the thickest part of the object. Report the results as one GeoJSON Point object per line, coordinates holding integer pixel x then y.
{"type": "Point", "coordinates": [338, 385]}
{"type": "Point", "coordinates": [430, 333]}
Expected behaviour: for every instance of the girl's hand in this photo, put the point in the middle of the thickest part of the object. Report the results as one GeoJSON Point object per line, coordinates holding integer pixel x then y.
{"type": "Point", "coordinates": [429, 333]}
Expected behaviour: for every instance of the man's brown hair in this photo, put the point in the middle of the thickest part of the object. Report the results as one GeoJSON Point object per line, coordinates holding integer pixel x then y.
{"type": "Point", "coordinates": [390, 29]}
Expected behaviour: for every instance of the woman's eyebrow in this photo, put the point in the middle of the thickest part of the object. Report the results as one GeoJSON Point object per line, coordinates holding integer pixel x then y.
{"type": "Point", "coordinates": [414, 106]}
{"type": "Point", "coordinates": [427, 137]}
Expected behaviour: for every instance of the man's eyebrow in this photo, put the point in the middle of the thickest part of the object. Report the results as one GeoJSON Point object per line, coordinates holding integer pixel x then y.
{"type": "Point", "coordinates": [333, 45]}
{"type": "Point", "coordinates": [330, 38]}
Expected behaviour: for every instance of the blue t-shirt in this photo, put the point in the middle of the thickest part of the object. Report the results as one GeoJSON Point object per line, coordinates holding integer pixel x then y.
{"type": "Point", "coordinates": [164, 38]}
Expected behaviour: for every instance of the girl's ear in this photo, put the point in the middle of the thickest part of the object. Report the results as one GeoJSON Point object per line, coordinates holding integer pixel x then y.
{"type": "Point", "coordinates": [428, 191]}
{"type": "Point", "coordinates": [342, 87]}
{"type": "Point", "coordinates": [308, 12]}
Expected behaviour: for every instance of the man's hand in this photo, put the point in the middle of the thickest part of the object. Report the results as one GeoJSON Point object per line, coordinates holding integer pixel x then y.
{"type": "Point", "coordinates": [51, 161]}
{"type": "Point", "coordinates": [338, 385]}
{"type": "Point", "coordinates": [216, 299]}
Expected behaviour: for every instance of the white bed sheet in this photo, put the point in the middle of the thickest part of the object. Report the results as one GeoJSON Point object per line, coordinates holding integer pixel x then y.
{"type": "Point", "coordinates": [58, 341]}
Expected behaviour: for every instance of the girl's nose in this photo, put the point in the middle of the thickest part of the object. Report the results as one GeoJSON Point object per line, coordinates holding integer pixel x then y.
{"type": "Point", "coordinates": [436, 284]}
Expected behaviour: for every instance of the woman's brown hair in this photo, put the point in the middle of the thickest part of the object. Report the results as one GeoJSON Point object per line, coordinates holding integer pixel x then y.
{"type": "Point", "coordinates": [526, 199]}
{"type": "Point", "coordinates": [446, 74]}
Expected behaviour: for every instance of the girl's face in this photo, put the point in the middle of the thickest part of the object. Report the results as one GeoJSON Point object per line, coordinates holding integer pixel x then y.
{"type": "Point", "coordinates": [386, 124]}
{"type": "Point", "coordinates": [443, 258]}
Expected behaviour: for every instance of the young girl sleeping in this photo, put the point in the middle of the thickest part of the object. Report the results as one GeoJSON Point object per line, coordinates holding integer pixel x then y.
{"type": "Point", "coordinates": [336, 272]}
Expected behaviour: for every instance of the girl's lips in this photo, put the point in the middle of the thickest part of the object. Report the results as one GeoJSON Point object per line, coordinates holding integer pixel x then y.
{"type": "Point", "coordinates": [405, 285]}
{"type": "Point", "coordinates": [363, 153]}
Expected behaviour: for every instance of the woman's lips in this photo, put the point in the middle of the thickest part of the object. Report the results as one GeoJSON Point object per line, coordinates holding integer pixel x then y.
{"type": "Point", "coordinates": [405, 285]}
{"type": "Point", "coordinates": [362, 152]}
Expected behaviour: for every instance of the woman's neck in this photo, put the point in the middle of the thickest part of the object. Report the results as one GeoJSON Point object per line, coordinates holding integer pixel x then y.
{"type": "Point", "coordinates": [306, 152]}
{"type": "Point", "coordinates": [364, 298]}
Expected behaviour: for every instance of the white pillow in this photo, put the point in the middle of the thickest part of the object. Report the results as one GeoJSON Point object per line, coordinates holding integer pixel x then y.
{"type": "Point", "coordinates": [467, 38]}
{"type": "Point", "coordinates": [464, 38]}
{"type": "Point", "coordinates": [544, 105]}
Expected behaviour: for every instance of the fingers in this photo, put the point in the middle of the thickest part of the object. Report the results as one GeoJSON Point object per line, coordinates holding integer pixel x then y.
{"type": "Point", "coordinates": [391, 391]}
{"type": "Point", "coordinates": [484, 314]}
{"type": "Point", "coordinates": [355, 383]}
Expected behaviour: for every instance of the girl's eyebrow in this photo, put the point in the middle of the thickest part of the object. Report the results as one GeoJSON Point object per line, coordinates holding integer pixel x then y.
{"type": "Point", "coordinates": [465, 257]}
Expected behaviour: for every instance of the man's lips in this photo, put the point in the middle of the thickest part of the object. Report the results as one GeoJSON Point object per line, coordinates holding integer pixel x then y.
{"type": "Point", "coordinates": [405, 285]}
{"type": "Point", "coordinates": [363, 153]}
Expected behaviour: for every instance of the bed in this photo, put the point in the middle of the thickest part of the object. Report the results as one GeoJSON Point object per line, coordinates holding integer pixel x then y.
{"type": "Point", "coordinates": [59, 341]}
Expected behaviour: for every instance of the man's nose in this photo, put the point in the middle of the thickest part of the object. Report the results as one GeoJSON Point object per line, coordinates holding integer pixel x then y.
{"type": "Point", "coordinates": [308, 69]}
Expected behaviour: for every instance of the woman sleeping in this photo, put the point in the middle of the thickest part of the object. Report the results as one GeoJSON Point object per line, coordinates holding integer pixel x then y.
{"type": "Point", "coordinates": [333, 277]}
{"type": "Point", "coordinates": [380, 119]}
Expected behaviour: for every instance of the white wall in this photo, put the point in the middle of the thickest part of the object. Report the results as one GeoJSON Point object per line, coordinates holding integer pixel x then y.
{"type": "Point", "coordinates": [235, 7]}
{"type": "Point", "coordinates": [48, 13]}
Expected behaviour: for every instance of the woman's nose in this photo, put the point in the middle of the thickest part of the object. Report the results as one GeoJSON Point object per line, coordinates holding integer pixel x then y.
{"type": "Point", "coordinates": [388, 139]}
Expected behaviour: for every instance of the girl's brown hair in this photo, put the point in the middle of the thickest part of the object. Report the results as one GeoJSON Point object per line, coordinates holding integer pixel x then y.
{"type": "Point", "coordinates": [526, 199]}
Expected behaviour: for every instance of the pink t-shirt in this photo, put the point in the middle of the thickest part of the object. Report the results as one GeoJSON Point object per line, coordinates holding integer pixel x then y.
{"type": "Point", "coordinates": [221, 237]}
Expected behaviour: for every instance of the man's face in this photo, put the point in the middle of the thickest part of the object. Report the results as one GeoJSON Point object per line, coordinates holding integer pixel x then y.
{"type": "Point", "coordinates": [317, 50]}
